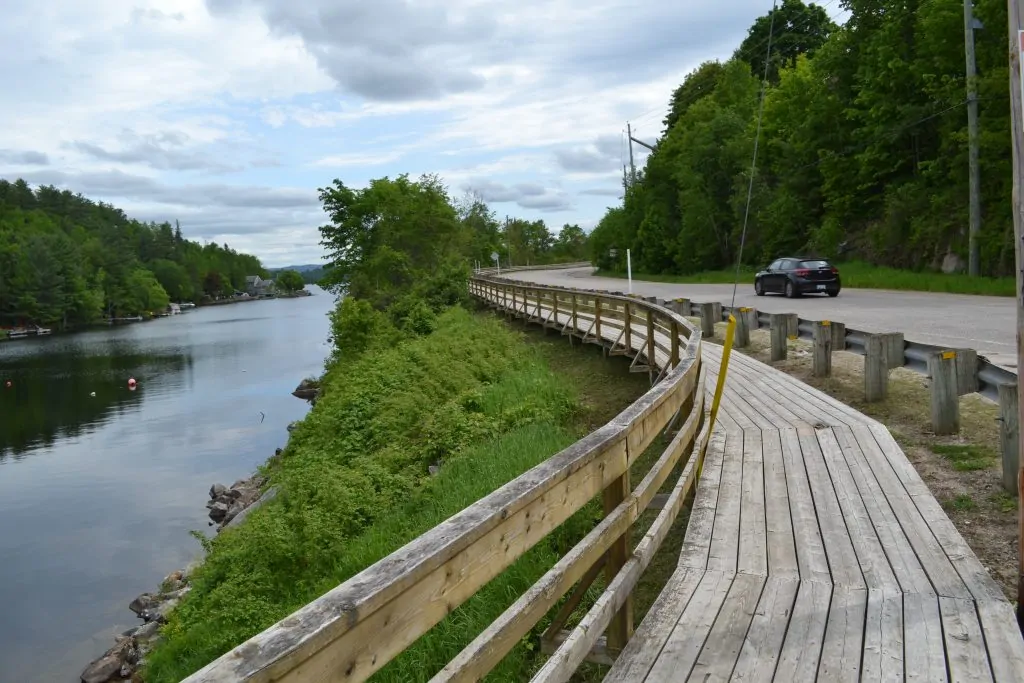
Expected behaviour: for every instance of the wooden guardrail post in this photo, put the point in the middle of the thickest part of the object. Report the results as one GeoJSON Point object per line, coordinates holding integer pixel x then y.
{"type": "Point", "coordinates": [707, 320]}
{"type": "Point", "coordinates": [894, 345]}
{"type": "Point", "coordinates": [752, 320]}
{"type": "Point", "coordinates": [597, 319]}
{"type": "Point", "coordinates": [1009, 426]}
{"type": "Point", "coordinates": [945, 400]}
{"type": "Point", "coordinates": [741, 336]}
{"type": "Point", "coordinates": [876, 369]}
{"type": "Point", "coordinates": [620, 630]}
{"type": "Point", "coordinates": [779, 333]}
{"type": "Point", "coordinates": [651, 360]}
{"type": "Point", "coordinates": [838, 336]}
{"type": "Point", "coordinates": [822, 362]}
{"type": "Point", "coordinates": [683, 306]}
{"type": "Point", "coordinates": [716, 311]}
{"type": "Point", "coordinates": [966, 371]}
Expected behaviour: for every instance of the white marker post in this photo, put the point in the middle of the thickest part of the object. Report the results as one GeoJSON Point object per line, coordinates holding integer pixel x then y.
{"type": "Point", "coordinates": [629, 271]}
{"type": "Point", "coordinates": [497, 263]}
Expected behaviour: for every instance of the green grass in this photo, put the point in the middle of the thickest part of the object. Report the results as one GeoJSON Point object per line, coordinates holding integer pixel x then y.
{"type": "Point", "coordinates": [966, 458]}
{"type": "Point", "coordinates": [857, 275]}
{"type": "Point", "coordinates": [962, 503]}
{"type": "Point", "coordinates": [354, 488]}
{"type": "Point", "coordinates": [1004, 501]}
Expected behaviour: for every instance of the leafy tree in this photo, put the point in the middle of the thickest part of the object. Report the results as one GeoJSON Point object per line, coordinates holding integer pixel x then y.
{"type": "Point", "coordinates": [290, 280]}
{"type": "Point", "coordinates": [570, 245]}
{"type": "Point", "coordinates": [799, 29]}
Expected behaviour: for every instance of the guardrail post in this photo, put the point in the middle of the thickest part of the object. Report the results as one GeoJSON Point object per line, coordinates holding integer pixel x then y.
{"type": "Point", "coordinates": [779, 333]}
{"type": "Point", "coordinates": [575, 314]}
{"type": "Point", "coordinates": [894, 345]}
{"type": "Point", "coordinates": [876, 369]}
{"type": "Point", "coordinates": [620, 630]}
{"type": "Point", "coordinates": [597, 320]}
{"type": "Point", "coordinates": [1009, 426]}
{"type": "Point", "coordinates": [717, 310]}
{"type": "Point", "coordinates": [683, 306]}
{"type": "Point", "coordinates": [966, 371]}
{"type": "Point", "coordinates": [822, 363]}
{"type": "Point", "coordinates": [753, 322]}
{"type": "Point", "coordinates": [741, 337]}
{"type": "Point", "coordinates": [945, 400]}
{"type": "Point", "coordinates": [838, 336]}
{"type": "Point", "coordinates": [793, 321]}
{"type": "Point", "coordinates": [707, 320]}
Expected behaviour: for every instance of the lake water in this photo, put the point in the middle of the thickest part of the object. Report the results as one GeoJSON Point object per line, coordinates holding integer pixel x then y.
{"type": "Point", "coordinates": [98, 494]}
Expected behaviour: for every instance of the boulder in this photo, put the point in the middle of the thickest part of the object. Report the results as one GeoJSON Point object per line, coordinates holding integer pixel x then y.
{"type": "Point", "coordinates": [307, 390]}
{"type": "Point", "coordinates": [269, 494]}
{"type": "Point", "coordinates": [102, 670]}
{"type": "Point", "coordinates": [143, 602]}
{"type": "Point", "coordinates": [147, 632]}
{"type": "Point", "coordinates": [159, 613]}
{"type": "Point", "coordinates": [233, 511]}
{"type": "Point", "coordinates": [175, 576]}
{"type": "Point", "coordinates": [217, 489]}
{"type": "Point", "coordinates": [218, 511]}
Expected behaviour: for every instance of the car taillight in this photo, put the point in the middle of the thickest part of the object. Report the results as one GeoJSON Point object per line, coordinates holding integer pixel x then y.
{"type": "Point", "coordinates": [803, 272]}
{"type": "Point", "coordinates": [835, 271]}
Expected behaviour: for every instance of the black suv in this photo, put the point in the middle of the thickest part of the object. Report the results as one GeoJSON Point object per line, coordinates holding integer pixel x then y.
{"type": "Point", "coordinates": [796, 276]}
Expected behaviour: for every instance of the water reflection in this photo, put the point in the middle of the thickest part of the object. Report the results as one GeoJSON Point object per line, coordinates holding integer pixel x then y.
{"type": "Point", "coordinates": [98, 494]}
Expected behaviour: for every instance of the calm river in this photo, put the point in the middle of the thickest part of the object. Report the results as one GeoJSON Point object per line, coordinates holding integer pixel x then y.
{"type": "Point", "coordinates": [98, 493]}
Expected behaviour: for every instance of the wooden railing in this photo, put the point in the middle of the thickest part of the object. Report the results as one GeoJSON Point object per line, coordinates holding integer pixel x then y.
{"type": "Point", "coordinates": [356, 628]}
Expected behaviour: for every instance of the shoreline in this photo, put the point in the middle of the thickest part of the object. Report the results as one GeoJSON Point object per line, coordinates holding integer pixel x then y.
{"type": "Point", "coordinates": [227, 507]}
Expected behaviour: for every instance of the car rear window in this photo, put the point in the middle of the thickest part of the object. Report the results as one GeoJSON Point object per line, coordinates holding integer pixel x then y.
{"type": "Point", "coordinates": [814, 264]}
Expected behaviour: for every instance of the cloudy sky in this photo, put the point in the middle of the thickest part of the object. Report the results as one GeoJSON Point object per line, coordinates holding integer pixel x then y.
{"type": "Point", "coordinates": [229, 114]}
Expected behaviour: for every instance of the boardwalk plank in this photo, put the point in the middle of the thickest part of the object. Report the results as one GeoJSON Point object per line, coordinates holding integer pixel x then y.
{"type": "Point", "coordinates": [699, 528]}
{"type": "Point", "coordinates": [844, 636]}
{"type": "Point", "coordinates": [965, 646]}
{"type": "Point", "coordinates": [810, 549]}
{"type": "Point", "coordinates": [719, 656]}
{"type": "Point", "coordinates": [883, 636]}
{"type": "Point", "coordinates": [725, 536]}
{"type": "Point", "coordinates": [801, 650]}
{"type": "Point", "coordinates": [782, 562]}
{"type": "Point", "coordinates": [753, 548]}
{"type": "Point", "coordinates": [924, 651]}
{"type": "Point", "coordinates": [763, 644]}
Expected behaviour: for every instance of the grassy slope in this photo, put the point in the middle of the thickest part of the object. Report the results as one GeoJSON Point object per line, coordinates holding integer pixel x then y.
{"type": "Point", "coordinates": [354, 485]}
{"type": "Point", "coordinates": [859, 275]}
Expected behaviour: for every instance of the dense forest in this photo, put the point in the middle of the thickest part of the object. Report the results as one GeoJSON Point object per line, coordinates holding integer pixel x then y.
{"type": "Point", "coordinates": [862, 153]}
{"type": "Point", "coordinates": [68, 261]}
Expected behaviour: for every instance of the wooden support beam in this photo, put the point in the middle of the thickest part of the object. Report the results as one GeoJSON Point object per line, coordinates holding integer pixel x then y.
{"type": "Point", "coordinates": [945, 400]}
{"type": "Point", "coordinates": [1009, 434]}
{"type": "Point", "coordinates": [741, 336]}
{"type": "Point", "coordinates": [620, 630]}
{"type": "Point", "coordinates": [599, 654]}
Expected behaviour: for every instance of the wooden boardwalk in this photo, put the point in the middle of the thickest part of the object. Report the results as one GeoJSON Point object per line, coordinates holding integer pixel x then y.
{"type": "Point", "coordinates": [814, 551]}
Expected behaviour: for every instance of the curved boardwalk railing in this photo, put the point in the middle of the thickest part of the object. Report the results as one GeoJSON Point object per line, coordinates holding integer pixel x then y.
{"type": "Point", "coordinates": [356, 628]}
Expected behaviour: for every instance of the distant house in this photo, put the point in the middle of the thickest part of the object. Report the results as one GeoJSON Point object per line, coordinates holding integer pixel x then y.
{"type": "Point", "coordinates": [257, 286]}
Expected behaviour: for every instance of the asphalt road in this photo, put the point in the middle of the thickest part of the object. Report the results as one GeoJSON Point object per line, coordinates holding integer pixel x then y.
{"type": "Point", "coordinates": [984, 323]}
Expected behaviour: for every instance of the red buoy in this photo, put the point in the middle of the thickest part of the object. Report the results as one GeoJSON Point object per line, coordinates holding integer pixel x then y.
{"type": "Point", "coordinates": [131, 382]}
{"type": "Point", "coordinates": [8, 384]}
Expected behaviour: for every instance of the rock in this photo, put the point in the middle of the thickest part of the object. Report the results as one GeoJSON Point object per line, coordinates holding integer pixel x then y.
{"type": "Point", "coordinates": [102, 670]}
{"type": "Point", "coordinates": [175, 576]}
{"type": "Point", "coordinates": [233, 512]}
{"type": "Point", "coordinates": [175, 595]}
{"type": "Point", "coordinates": [307, 390]}
{"type": "Point", "coordinates": [433, 469]}
{"type": "Point", "coordinates": [171, 587]}
{"type": "Point", "coordinates": [952, 263]}
{"type": "Point", "coordinates": [147, 632]}
{"type": "Point", "coordinates": [269, 494]}
{"type": "Point", "coordinates": [216, 490]}
{"type": "Point", "coordinates": [237, 493]}
{"type": "Point", "coordinates": [126, 670]}
{"type": "Point", "coordinates": [218, 511]}
{"type": "Point", "coordinates": [159, 613]}
{"type": "Point", "coordinates": [142, 603]}
{"type": "Point", "coordinates": [292, 426]}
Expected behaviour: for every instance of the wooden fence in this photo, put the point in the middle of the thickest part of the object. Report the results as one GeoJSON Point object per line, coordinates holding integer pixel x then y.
{"type": "Point", "coordinates": [356, 628]}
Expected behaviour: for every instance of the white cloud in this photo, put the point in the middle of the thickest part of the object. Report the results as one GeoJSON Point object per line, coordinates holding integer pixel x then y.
{"type": "Point", "coordinates": [228, 114]}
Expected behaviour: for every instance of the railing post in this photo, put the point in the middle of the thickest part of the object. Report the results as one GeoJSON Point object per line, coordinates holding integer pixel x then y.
{"type": "Point", "coordinates": [1009, 426]}
{"type": "Point", "coordinates": [876, 369]}
{"type": "Point", "coordinates": [620, 630]}
{"type": "Point", "coordinates": [575, 314]}
{"type": "Point", "coordinates": [707, 320]}
{"type": "Point", "coordinates": [515, 304]}
{"type": "Point", "coordinates": [741, 338]}
{"type": "Point", "coordinates": [627, 330]}
{"type": "Point", "coordinates": [716, 311]}
{"type": "Point", "coordinates": [651, 360]}
{"type": "Point", "coordinates": [966, 371]}
{"type": "Point", "coordinates": [597, 318]}
{"type": "Point", "coordinates": [779, 334]}
{"type": "Point", "coordinates": [894, 345]}
{"type": "Point", "coordinates": [684, 306]}
{"type": "Point", "coordinates": [675, 344]}
{"type": "Point", "coordinates": [838, 336]}
{"type": "Point", "coordinates": [945, 400]}
{"type": "Point", "coordinates": [822, 362]}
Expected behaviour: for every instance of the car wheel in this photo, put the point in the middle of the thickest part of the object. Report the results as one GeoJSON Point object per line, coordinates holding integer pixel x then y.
{"type": "Point", "coordinates": [833, 293]}
{"type": "Point", "coordinates": [790, 290]}
{"type": "Point", "coordinates": [758, 288]}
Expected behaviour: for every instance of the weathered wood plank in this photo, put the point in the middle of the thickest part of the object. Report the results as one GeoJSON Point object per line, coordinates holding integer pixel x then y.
{"type": "Point", "coordinates": [718, 658]}
{"type": "Point", "coordinates": [811, 557]}
{"type": "Point", "coordinates": [753, 542]}
{"type": "Point", "coordinates": [924, 651]}
{"type": "Point", "coordinates": [724, 552]}
{"type": "Point", "coordinates": [782, 560]}
{"type": "Point", "coordinates": [697, 541]}
{"type": "Point", "coordinates": [883, 636]}
{"type": "Point", "coordinates": [691, 632]}
{"type": "Point", "coordinates": [763, 644]}
{"type": "Point", "coordinates": [801, 650]}
{"type": "Point", "coordinates": [965, 645]}
{"type": "Point", "coordinates": [844, 636]}
{"type": "Point", "coordinates": [1003, 639]}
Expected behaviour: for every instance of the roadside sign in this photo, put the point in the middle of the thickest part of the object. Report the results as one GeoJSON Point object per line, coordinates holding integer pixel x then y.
{"type": "Point", "coordinates": [494, 256]}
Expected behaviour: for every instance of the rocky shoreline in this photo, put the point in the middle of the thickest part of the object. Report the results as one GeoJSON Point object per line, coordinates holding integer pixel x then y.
{"type": "Point", "coordinates": [228, 506]}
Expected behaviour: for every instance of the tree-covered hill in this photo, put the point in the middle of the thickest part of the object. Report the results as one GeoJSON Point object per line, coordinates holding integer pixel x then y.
{"type": "Point", "coordinates": [66, 261]}
{"type": "Point", "coordinates": [863, 151]}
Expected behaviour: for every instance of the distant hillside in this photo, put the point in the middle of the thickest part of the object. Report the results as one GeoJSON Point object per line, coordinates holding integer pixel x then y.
{"type": "Point", "coordinates": [301, 269]}
{"type": "Point", "coordinates": [311, 273]}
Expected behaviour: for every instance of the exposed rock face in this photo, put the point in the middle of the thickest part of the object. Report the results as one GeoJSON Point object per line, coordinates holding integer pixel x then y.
{"type": "Point", "coordinates": [226, 504]}
{"type": "Point", "coordinates": [307, 390]}
{"type": "Point", "coordinates": [117, 663]}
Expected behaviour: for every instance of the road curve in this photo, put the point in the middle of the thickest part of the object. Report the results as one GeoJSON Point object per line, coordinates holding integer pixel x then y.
{"type": "Point", "coordinates": [984, 323]}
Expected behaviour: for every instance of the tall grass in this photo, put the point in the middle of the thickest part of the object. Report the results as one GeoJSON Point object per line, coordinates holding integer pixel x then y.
{"type": "Point", "coordinates": [856, 275]}
{"type": "Point", "coordinates": [354, 487]}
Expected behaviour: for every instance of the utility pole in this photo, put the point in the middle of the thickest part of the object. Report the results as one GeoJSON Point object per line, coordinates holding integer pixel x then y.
{"type": "Point", "coordinates": [632, 168]}
{"type": "Point", "coordinates": [974, 180]}
{"type": "Point", "coordinates": [1015, 16]}
{"type": "Point", "coordinates": [625, 179]}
